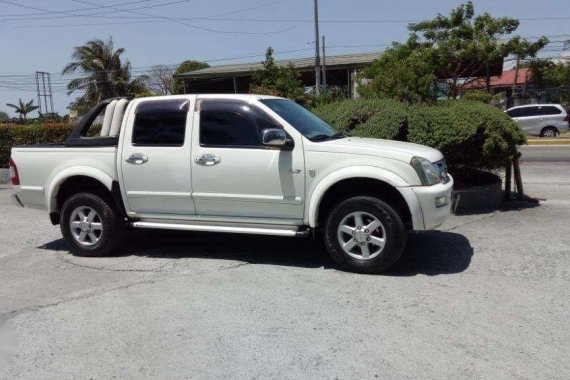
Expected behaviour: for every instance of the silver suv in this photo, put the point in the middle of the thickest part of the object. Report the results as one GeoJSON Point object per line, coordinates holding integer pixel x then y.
{"type": "Point", "coordinates": [544, 120]}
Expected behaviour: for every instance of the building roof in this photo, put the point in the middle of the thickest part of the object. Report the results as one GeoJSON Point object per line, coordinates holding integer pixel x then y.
{"type": "Point", "coordinates": [301, 64]}
{"type": "Point", "coordinates": [505, 80]}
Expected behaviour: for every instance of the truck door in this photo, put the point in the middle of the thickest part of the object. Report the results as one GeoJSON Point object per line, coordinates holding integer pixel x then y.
{"type": "Point", "coordinates": [155, 158]}
{"type": "Point", "coordinates": [233, 174]}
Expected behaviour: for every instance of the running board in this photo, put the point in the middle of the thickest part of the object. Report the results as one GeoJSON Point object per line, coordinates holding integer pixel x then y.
{"type": "Point", "coordinates": [295, 231]}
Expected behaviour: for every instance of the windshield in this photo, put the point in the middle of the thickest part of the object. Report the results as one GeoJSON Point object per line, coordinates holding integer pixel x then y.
{"type": "Point", "coordinates": [310, 125]}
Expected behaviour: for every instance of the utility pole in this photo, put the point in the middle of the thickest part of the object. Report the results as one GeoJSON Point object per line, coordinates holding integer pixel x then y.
{"type": "Point", "coordinates": [44, 92]}
{"type": "Point", "coordinates": [324, 77]}
{"type": "Point", "coordinates": [317, 57]}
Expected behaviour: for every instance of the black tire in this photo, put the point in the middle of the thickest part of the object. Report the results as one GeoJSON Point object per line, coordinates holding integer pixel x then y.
{"type": "Point", "coordinates": [394, 230]}
{"type": "Point", "coordinates": [548, 129]}
{"type": "Point", "coordinates": [112, 224]}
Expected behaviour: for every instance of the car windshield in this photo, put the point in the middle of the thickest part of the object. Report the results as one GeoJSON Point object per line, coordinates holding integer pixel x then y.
{"type": "Point", "coordinates": [310, 125]}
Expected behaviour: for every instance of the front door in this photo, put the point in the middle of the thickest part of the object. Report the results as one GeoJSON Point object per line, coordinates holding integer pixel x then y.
{"type": "Point", "coordinates": [155, 158]}
{"type": "Point", "coordinates": [233, 174]}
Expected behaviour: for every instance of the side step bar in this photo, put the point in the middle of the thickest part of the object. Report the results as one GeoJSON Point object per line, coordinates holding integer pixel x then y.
{"type": "Point", "coordinates": [230, 229]}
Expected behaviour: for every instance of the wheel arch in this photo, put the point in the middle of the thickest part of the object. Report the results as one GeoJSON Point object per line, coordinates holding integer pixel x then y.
{"type": "Point", "coordinates": [80, 179]}
{"type": "Point", "coordinates": [373, 181]}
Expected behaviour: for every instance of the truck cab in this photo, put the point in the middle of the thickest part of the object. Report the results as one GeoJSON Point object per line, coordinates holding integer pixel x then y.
{"type": "Point", "coordinates": [234, 163]}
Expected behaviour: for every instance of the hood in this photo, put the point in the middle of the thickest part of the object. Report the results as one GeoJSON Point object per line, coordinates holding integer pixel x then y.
{"type": "Point", "coordinates": [376, 147]}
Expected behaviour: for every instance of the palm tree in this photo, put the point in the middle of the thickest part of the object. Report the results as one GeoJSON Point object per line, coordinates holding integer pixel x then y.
{"type": "Point", "coordinates": [23, 109]}
{"type": "Point", "coordinates": [105, 76]}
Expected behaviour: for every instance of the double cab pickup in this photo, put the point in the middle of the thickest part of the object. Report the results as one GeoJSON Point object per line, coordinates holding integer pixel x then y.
{"type": "Point", "coordinates": [236, 164]}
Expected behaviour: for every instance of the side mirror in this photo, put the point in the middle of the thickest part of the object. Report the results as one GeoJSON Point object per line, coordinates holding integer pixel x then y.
{"type": "Point", "coordinates": [275, 137]}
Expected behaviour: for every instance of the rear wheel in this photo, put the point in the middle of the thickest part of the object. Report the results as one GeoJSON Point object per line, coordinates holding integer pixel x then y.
{"type": "Point", "coordinates": [90, 225]}
{"type": "Point", "coordinates": [549, 132]}
{"type": "Point", "coordinates": [364, 234]}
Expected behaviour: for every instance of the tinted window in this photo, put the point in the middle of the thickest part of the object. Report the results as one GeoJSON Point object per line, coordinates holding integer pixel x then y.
{"type": "Point", "coordinates": [232, 124]}
{"type": "Point", "coordinates": [160, 123]}
{"type": "Point", "coordinates": [550, 110]}
{"type": "Point", "coordinates": [524, 111]}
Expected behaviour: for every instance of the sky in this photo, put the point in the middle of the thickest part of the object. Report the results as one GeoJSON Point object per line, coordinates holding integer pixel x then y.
{"type": "Point", "coordinates": [39, 35]}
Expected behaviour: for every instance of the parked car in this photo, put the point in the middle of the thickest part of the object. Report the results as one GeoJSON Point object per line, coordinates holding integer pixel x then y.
{"type": "Point", "coordinates": [544, 120]}
{"type": "Point", "coordinates": [233, 163]}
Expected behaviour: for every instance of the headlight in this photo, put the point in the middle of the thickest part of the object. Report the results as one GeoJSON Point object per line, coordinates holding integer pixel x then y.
{"type": "Point", "coordinates": [430, 174]}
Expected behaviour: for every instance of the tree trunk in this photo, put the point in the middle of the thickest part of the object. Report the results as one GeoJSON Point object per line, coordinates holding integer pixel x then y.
{"type": "Point", "coordinates": [487, 78]}
{"type": "Point", "coordinates": [518, 177]}
{"type": "Point", "coordinates": [508, 179]}
{"type": "Point", "coordinates": [516, 75]}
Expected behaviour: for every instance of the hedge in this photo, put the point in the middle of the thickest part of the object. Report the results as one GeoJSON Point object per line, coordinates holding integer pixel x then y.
{"type": "Point", "coordinates": [30, 134]}
{"type": "Point", "coordinates": [470, 134]}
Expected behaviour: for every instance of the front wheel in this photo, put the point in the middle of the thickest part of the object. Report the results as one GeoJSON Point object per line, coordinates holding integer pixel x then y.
{"type": "Point", "coordinates": [364, 234]}
{"type": "Point", "coordinates": [90, 225]}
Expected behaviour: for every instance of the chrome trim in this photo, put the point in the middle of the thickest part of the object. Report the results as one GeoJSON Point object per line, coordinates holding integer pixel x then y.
{"type": "Point", "coordinates": [212, 228]}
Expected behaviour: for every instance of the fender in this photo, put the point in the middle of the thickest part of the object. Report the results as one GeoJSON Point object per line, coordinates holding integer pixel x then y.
{"type": "Point", "coordinates": [371, 172]}
{"type": "Point", "coordinates": [73, 171]}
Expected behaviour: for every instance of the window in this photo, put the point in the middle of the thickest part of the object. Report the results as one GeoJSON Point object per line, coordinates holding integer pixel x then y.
{"type": "Point", "coordinates": [310, 125]}
{"type": "Point", "coordinates": [160, 123]}
{"type": "Point", "coordinates": [550, 110]}
{"type": "Point", "coordinates": [230, 123]}
{"type": "Point", "coordinates": [523, 112]}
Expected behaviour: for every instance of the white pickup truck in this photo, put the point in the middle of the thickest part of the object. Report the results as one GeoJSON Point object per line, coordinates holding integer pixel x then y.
{"type": "Point", "coordinates": [233, 163]}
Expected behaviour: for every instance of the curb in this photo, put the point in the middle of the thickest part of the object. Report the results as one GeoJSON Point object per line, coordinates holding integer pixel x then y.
{"type": "Point", "coordinates": [548, 142]}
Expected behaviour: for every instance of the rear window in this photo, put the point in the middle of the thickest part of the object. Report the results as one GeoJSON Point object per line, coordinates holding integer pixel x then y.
{"type": "Point", "coordinates": [550, 110]}
{"type": "Point", "coordinates": [160, 123]}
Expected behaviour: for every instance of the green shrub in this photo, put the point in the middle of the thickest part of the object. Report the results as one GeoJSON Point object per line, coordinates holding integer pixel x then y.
{"type": "Point", "coordinates": [379, 118]}
{"type": "Point", "coordinates": [478, 96]}
{"type": "Point", "coordinates": [30, 134]}
{"type": "Point", "coordinates": [471, 134]}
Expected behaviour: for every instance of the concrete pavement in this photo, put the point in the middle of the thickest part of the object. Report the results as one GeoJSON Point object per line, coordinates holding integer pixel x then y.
{"type": "Point", "coordinates": [487, 297]}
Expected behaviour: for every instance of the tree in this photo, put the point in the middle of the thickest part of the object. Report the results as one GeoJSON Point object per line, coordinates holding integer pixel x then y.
{"type": "Point", "coordinates": [403, 72]}
{"type": "Point", "coordinates": [104, 74]}
{"type": "Point", "coordinates": [160, 80]}
{"type": "Point", "coordinates": [522, 48]}
{"type": "Point", "coordinates": [23, 109]}
{"type": "Point", "coordinates": [554, 76]}
{"type": "Point", "coordinates": [185, 67]}
{"type": "Point", "coordinates": [463, 45]}
{"type": "Point", "coordinates": [4, 116]}
{"type": "Point", "coordinates": [277, 80]}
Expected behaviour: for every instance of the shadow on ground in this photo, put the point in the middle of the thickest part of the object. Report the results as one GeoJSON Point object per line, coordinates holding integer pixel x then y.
{"type": "Point", "coordinates": [429, 253]}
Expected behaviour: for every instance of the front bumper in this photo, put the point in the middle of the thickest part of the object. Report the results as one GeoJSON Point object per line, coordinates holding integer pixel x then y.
{"type": "Point", "coordinates": [435, 202]}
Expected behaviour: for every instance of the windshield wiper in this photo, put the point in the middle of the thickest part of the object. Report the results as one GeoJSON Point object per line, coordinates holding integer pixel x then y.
{"type": "Point", "coordinates": [323, 137]}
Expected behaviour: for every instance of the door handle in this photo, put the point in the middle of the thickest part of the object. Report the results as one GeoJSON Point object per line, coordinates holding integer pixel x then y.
{"type": "Point", "coordinates": [137, 159]}
{"type": "Point", "coordinates": [207, 160]}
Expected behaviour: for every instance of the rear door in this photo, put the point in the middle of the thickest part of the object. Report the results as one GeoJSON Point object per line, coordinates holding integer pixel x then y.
{"type": "Point", "coordinates": [551, 116]}
{"type": "Point", "coordinates": [155, 158]}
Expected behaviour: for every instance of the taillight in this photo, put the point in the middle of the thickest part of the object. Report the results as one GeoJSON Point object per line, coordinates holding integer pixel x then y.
{"type": "Point", "coordinates": [14, 173]}
{"type": "Point", "coordinates": [567, 118]}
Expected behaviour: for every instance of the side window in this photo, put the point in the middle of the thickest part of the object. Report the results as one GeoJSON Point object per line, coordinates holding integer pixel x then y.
{"type": "Point", "coordinates": [550, 110]}
{"type": "Point", "coordinates": [160, 123]}
{"type": "Point", "coordinates": [231, 123]}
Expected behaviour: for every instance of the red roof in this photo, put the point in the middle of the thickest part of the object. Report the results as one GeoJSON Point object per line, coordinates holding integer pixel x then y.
{"type": "Point", "coordinates": [505, 80]}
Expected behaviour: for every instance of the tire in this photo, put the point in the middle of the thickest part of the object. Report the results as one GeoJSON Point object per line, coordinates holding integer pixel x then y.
{"type": "Point", "coordinates": [368, 254]}
{"type": "Point", "coordinates": [549, 132]}
{"type": "Point", "coordinates": [90, 225]}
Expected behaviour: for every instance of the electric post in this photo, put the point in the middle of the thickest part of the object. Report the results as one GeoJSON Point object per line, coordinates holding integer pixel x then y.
{"type": "Point", "coordinates": [317, 52]}
{"type": "Point", "coordinates": [324, 77]}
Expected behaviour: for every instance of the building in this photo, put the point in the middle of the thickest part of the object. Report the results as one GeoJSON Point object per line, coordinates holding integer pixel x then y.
{"type": "Point", "coordinates": [341, 72]}
{"type": "Point", "coordinates": [504, 82]}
